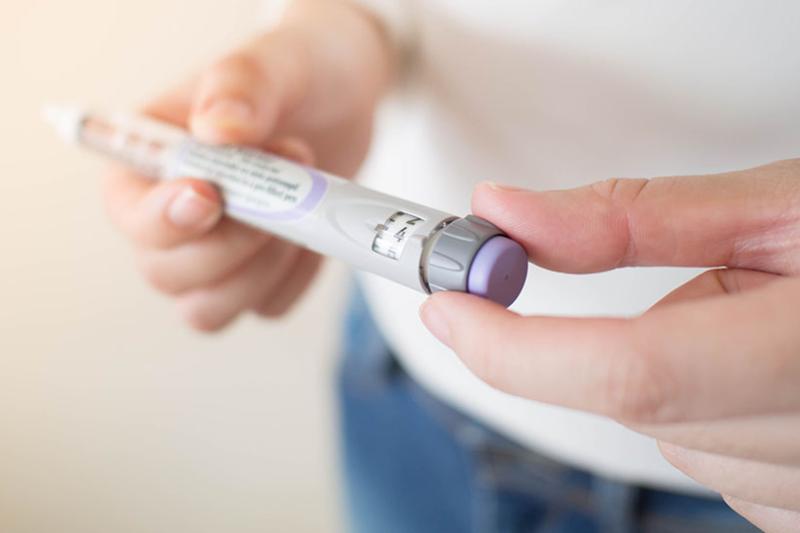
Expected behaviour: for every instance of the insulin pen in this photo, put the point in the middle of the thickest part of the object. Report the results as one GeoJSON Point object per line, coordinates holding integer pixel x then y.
{"type": "Point", "coordinates": [417, 246]}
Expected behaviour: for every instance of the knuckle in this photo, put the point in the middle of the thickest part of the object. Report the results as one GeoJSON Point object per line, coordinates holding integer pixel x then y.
{"type": "Point", "coordinates": [633, 391]}
{"type": "Point", "coordinates": [623, 191]}
{"type": "Point", "coordinates": [622, 195]}
{"type": "Point", "coordinates": [638, 388]}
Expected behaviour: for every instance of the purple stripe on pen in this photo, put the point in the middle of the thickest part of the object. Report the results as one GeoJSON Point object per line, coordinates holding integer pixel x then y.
{"type": "Point", "coordinates": [318, 187]}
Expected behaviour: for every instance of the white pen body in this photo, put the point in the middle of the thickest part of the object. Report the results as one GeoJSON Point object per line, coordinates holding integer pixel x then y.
{"type": "Point", "coordinates": [370, 230]}
{"type": "Point", "coordinates": [420, 247]}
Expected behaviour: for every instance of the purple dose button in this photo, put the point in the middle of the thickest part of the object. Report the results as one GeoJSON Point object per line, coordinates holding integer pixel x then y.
{"type": "Point", "coordinates": [498, 271]}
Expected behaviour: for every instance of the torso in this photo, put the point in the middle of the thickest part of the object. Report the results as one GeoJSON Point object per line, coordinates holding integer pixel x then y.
{"type": "Point", "coordinates": [556, 94]}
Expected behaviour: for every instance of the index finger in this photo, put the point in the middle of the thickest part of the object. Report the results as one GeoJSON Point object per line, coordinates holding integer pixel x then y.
{"type": "Point", "coordinates": [745, 219]}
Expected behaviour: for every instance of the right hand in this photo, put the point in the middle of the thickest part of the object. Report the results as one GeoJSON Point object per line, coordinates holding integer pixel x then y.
{"type": "Point", "coordinates": [303, 91]}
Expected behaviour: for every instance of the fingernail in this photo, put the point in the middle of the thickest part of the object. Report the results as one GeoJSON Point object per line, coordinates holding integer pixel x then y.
{"type": "Point", "coordinates": [502, 188]}
{"type": "Point", "coordinates": [190, 209]}
{"type": "Point", "coordinates": [435, 321]}
{"type": "Point", "coordinates": [221, 116]}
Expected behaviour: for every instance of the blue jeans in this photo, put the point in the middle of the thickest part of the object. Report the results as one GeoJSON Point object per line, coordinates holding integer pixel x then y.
{"type": "Point", "coordinates": [415, 465]}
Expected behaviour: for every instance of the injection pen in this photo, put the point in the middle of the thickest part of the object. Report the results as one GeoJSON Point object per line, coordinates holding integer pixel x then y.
{"type": "Point", "coordinates": [417, 246]}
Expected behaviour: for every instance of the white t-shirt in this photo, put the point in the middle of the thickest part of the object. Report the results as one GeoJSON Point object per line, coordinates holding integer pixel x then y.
{"type": "Point", "coordinates": [559, 93]}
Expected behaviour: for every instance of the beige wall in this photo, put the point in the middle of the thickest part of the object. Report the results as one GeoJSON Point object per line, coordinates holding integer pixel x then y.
{"type": "Point", "coordinates": [114, 417]}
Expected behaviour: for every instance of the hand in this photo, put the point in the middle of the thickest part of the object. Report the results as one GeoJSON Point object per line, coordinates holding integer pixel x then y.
{"type": "Point", "coordinates": [712, 371]}
{"type": "Point", "coordinates": [306, 91]}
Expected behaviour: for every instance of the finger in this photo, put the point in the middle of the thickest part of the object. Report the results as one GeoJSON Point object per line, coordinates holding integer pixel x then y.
{"type": "Point", "coordinates": [215, 255]}
{"type": "Point", "coordinates": [212, 308]}
{"type": "Point", "coordinates": [731, 356]}
{"type": "Point", "coordinates": [174, 105]}
{"type": "Point", "coordinates": [748, 219]}
{"type": "Point", "coordinates": [768, 439]}
{"type": "Point", "coordinates": [768, 519]}
{"type": "Point", "coordinates": [301, 274]}
{"type": "Point", "coordinates": [241, 98]}
{"type": "Point", "coordinates": [752, 481]}
{"type": "Point", "coordinates": [161, 214]}
{"type": "Point", "coordinates": [292, 148]}
{"type": "Point", "coordinates": [717, 282]}
{"type": "Point", "coordinates": [203, 261]}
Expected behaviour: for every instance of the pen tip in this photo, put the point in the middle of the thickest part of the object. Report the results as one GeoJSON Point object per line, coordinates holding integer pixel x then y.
{"type": "Point", "coordinates": [66, 120]}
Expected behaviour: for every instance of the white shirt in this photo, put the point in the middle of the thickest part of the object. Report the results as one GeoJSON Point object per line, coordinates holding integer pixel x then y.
{"type": "Point", "coordinates": [559, 93]}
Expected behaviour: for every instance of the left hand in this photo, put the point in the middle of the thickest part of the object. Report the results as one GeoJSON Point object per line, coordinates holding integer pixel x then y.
{"type": "Point", "coordinates": [712, 371]}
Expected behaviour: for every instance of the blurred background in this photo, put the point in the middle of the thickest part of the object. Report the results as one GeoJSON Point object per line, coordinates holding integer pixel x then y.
{"type": "Point", "coordinates": [114, 416]}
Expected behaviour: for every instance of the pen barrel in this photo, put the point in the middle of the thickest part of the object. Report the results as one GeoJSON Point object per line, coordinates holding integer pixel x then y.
{"type": "Point", "coordinates": [420, 247]}
{"type": "Point", "coordinates": [370, 230]}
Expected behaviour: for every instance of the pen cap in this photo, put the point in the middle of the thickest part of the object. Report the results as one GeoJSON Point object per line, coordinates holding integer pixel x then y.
{"type": "Point", "coordinates": [65, 119]}
{"type": "Point", "coordinates": [472, 255]}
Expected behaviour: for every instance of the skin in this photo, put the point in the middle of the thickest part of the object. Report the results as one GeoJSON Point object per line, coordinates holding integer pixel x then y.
{"type": "Point", "coordinates": [712, 371]}
{"type": "Point", "coordinates": [307, 91]}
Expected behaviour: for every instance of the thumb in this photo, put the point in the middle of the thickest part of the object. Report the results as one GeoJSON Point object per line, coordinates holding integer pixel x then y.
{"type": "Point", "coordinates": [746, 219]}
{"type": "Point", "coordinates": [241, 97]}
